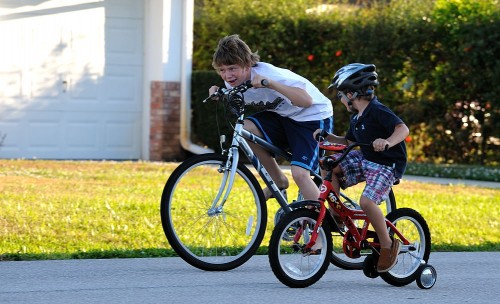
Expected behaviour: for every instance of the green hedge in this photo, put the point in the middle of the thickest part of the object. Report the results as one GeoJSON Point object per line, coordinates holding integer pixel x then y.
{"type": "Point", "coordinates": [204, 115]}
{"type": "Point", "coordinates": [437, 61]}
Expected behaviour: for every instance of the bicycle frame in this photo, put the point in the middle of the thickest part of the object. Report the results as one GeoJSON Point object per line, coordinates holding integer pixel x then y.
{"type": "Point", "coordinates": [240, 137]}
{"type": "Point", "coordinates": [240, 140]}
{"type": "Point", "coordinates": [358, 239]}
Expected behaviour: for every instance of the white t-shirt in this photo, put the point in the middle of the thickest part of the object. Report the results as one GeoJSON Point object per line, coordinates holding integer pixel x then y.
{"type": "Point", "coordinates": [320, 109]}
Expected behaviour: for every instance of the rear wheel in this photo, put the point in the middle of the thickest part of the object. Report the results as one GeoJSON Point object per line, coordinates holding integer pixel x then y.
{"type": "Point", "coordinates": [414, 228]}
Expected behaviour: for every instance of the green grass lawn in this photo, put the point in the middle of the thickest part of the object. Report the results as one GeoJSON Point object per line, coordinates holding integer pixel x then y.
{"type": "Point", "coordinates": [80, 209]}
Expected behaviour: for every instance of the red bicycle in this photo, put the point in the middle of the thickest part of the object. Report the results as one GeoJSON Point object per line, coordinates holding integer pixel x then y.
{"type": "Point", "coordinates": [301, 243]}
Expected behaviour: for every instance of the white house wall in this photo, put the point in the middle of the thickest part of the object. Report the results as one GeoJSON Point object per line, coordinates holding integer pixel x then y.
{"type": "Point", "coordinates": [71, 79]}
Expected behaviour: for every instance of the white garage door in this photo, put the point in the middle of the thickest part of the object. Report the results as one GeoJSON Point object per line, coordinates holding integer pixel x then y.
{"type": "Point", "coordinates": [71, 79]}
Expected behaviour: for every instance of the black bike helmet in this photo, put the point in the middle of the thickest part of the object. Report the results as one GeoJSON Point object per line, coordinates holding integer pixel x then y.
{"type": "Point", "coordinates": [354, 77]}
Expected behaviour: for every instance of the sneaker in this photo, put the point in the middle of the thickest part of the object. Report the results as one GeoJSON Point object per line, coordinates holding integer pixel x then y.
{"type": "Point", "coordinates": [388, 257]}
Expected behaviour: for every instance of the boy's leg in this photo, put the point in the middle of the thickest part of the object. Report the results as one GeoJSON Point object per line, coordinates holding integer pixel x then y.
{"type": "Point", "coordinates": [302, 178]}
{"type": "Point", "coordinates": [379, 180]}
{"type": "Point", "coordinates": [348, 173]}
{"type": "Point", "coordinates": [267, 160]}
{"type": "Point", "coordinates": [377, 220]}
{"type": "Point", "coordinates": [389, 250]}
{"type": "Point", "coordinates": [305, 152]}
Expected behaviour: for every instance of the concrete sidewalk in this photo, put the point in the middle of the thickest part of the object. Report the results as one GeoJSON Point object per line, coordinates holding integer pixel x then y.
{"type": "Point", "coordinates": [451, 181]}
{"type": "Point", "coordinates": [462, 277]}
{"type": "Point", "coordinates": [439, 180]}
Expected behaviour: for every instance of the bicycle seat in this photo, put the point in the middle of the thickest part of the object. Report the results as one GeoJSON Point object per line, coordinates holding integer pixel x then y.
{"type": "Point", "coordinates": [325, 145]}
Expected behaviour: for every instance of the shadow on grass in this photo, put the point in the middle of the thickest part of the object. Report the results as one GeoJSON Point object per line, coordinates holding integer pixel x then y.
{"type": "Point", "coordinates": [95, 254]}
{"type": "Point", "coordinates": [161, 253]}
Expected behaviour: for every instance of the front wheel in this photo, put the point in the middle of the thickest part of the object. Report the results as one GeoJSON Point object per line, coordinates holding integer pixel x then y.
{"type": "Point", "coordinates": [290, 263]}
{"type": "Point", "coordinates": [207, 236]}
{"type": "Point", "coordinates": [413, 254]}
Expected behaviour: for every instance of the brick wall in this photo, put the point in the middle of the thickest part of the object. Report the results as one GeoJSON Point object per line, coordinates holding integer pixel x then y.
{"type": "Point", "coordinates": [164, 135]}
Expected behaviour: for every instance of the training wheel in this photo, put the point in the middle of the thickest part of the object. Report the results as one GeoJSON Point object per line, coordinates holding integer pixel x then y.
{"type": "Point", "coordinates": [427, 276]}
{"type": "Point", "coordinates": [370, 266]}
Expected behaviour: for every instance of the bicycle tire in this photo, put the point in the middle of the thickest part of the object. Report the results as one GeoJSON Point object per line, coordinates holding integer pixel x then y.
{"type": "Point", "coordinates": [415, 229]}
{"type": "Point", "coordinates": [212, 240]}
{"type": "Point", "coordinates": [289, 264]}
{"type": "Point", "coordinates": [339, 259]}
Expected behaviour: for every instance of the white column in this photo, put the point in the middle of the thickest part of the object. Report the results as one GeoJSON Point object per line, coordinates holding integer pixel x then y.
{"type": "Point", "coordinates": [186, 73]}
{"type": "Point", "coordinates": [168, 52]}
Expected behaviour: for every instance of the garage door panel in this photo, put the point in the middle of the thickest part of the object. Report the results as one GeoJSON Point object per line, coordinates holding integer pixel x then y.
{"type": "Point", "coordinates": [124, 9]}
{"type": "Point", "coordinates": [94, 135]}
{"type": "Point", "coordinates": [114, 136]}
{"type": "Point", "coordinates": [37, 128]}
{"type": "Point", "coordinates": [11, 136]}
{"type": "Point", "coordinates": [40, 134]}
{"type": "Point", "coordinates": [125, 42]}
{"type": "Point", "coordinates": [118, 135]}
{"type": "Point", "coordinates": [82, 136]}
{"type": "Point", "coordinates": [81, 87]}
{"type": "Point", "coordinates": [44, 85]}
{"type": "Point", "coordinates": [122, 93]}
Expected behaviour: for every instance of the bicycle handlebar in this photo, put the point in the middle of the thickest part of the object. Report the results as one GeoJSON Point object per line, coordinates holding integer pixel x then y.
{"type": "Point", "coordinates": [230, 92]}
{"type": "Point", "coordinates": [327, 163]}
{"type": "Point", "coordinates": [321, 136]}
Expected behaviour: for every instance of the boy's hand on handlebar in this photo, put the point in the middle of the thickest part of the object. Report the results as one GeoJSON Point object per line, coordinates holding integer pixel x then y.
{"type": "Point", "coordinates": [380, 144]}
{"type": "Point", "coordinates": [320, 135]}
{"type": "Point", "coordinates": [213, 90]}
{"type": "Point", "coordinates": [213, 93]}
{"type": "Point", "coordinates": [259, 81]}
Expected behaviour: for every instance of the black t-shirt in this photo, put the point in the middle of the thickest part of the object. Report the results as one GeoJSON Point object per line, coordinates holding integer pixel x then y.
{"type": "Point", "coordinates": [378, 121]}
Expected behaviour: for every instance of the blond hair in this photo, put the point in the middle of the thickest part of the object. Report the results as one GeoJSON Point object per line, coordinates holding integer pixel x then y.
{"type": "Point", "coordinates": [232, 50]}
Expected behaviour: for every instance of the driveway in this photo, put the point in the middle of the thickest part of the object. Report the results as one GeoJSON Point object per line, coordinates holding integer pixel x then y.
{"type": "Point", "coordinates": [463, 277]}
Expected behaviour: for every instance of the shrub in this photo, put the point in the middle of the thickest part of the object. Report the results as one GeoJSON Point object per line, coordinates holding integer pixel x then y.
{"type": "Point", "coordinates": [437, 61]}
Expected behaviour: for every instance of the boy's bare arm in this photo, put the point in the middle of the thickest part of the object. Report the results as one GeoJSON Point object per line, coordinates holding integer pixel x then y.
{"type": "Point", "coordinates": [333, 138]}
{"type": "Point", "coordinates": [297, 96]}
{"type": "Point", "coordinates": [401, 131]}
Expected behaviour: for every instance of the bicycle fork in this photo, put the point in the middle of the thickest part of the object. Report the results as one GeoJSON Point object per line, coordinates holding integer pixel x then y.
{"type": "Point", "coordinates": [229, 171]}
{"type": "Point", "coordinates": [317, 226]}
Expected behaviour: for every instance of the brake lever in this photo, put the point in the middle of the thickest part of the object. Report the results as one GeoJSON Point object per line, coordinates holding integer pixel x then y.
{"type": "Point", "coordinates": [218, 93]}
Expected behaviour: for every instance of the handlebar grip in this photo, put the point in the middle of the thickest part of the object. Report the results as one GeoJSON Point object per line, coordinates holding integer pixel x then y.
{"type": "Point", "coordinates": [322, 134]}
{"type": "Point", "coordinates": [217, 93]}
{"type": "Point", "coordinates": [248, 84]}
{"type": "Point", "coordinates": [385, 148]}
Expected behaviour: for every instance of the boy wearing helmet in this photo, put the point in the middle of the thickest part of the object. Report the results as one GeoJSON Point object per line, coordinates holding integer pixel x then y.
{"type": "Point", "coordinates": [299, 110]}
{"type": "Point", "coordinates": [380, 165]}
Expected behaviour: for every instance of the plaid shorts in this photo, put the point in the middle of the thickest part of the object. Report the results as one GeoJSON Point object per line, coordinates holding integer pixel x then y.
{"type": "Point", "coordinates": [355, 169]}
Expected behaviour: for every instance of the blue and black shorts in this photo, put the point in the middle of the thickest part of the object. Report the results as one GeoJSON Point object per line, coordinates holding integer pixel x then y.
{"type": "Point", "coordinates": [293, 136]}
